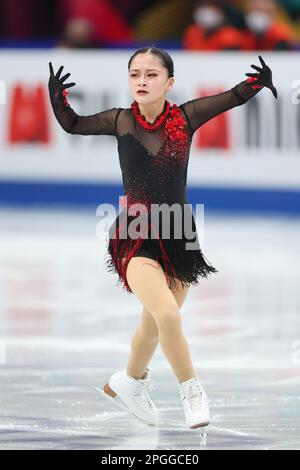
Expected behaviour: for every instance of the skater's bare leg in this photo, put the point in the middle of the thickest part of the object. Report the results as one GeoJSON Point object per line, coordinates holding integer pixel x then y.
{"type": "Point", "coordinates": [148, 282]}
{"type": "Point", "coordinates": [146, 337]}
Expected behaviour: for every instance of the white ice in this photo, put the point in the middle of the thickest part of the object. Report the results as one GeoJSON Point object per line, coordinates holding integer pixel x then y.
{"type": "Point", "coordinates": [65, 326]}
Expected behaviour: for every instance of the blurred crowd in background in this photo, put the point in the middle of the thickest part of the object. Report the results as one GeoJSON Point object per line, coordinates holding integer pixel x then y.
{"type": "Point", "coordinates": [206, 25]}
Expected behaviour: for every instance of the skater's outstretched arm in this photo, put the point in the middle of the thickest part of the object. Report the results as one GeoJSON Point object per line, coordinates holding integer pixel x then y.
{"type": "Point", "coordinates": [201, 110]}
{"type": "Point", "coordinates": [102, 123]}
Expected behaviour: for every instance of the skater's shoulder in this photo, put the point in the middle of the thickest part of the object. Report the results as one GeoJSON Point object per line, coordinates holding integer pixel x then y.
{"type": "Point", "coordinates": [124, 113]}
{"type": "Point", "coordinates": [122, 110]}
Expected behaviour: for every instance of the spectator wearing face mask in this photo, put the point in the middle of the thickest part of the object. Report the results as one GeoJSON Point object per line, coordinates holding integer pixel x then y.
{"type": "Point", "coordinates": [264, 31]}
{"type": "Point", "coordinates": [210, 30]}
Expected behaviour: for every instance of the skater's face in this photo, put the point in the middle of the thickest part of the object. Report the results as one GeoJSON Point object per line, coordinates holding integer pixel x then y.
{"type": "Point", "coordinates": [147, 73]}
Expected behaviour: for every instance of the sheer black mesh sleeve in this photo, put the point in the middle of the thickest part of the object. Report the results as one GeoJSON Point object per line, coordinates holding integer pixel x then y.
{"type": "Point", "coordinates": [201, 110]}
{"type": "Point", "coordinates": [102, 123]}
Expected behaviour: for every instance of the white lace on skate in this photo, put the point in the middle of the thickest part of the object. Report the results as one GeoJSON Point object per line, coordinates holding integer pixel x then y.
{"type": "Point", "coordinates": [195, 395]}
{"type": "Point", "coordinates": [140, 393]}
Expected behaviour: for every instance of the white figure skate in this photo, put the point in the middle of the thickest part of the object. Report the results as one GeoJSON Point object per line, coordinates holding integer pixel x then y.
{"type": "Point", "coordinates": [195, 403]}
{"type": "Point", "coordinates": [131, 395]}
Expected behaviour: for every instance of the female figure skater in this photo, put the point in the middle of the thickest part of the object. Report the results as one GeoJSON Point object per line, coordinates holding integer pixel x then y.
{"type": "Point", "coordinates": [154, 141]}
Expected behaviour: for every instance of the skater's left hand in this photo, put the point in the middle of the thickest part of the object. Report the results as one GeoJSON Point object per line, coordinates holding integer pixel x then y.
{"type": "Point", "coordinates": [264, 77]}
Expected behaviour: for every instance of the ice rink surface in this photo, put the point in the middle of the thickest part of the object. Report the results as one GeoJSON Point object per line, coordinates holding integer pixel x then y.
{"type": "Point", "coordinates": [65, 326]}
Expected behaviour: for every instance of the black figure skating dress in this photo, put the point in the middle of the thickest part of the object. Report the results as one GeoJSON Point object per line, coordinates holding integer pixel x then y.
{"type": "Point", "coordinates": [154, 161]}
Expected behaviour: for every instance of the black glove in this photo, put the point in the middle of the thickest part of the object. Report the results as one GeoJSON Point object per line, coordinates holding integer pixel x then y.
{"type": "Point", "coordinates": [264, 77]}
{"type": "Point", "coordinates": [56, 85]}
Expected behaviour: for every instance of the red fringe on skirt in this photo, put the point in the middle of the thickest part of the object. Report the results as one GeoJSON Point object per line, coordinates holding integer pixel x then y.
{"type": "Point", "coordinates": [120, 253]}
{"type": "Point", "coordinates": [183, 266]}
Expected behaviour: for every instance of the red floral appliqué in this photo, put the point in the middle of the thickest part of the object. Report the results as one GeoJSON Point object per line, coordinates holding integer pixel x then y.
{"type": "Point", "coordinates": [174, 127]}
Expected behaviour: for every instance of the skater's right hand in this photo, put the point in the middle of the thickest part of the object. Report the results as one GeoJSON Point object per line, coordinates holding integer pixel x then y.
{"type": "Point", "coordinates": [56, 85]}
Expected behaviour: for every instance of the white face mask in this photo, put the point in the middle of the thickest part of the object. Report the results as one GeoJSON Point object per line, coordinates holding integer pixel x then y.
{"type": "Point", "coordinates": [258, 21]}
{"type": "Point", "coordinates": [208, 17]}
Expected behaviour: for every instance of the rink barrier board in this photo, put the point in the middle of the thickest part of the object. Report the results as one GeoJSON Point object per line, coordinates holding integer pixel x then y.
{"type": "Point", "coordinates": [224, 199]}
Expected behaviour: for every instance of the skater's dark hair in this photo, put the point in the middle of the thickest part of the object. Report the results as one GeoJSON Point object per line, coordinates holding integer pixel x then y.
{"type": "Point", "coordinates": [166, 59]}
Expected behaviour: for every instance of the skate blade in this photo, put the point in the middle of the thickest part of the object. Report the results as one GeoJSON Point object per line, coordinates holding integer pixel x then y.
{"type": "Point", "coordinates": [200, 425]}
{"type": "Point", "coordinates": [117, 401]}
